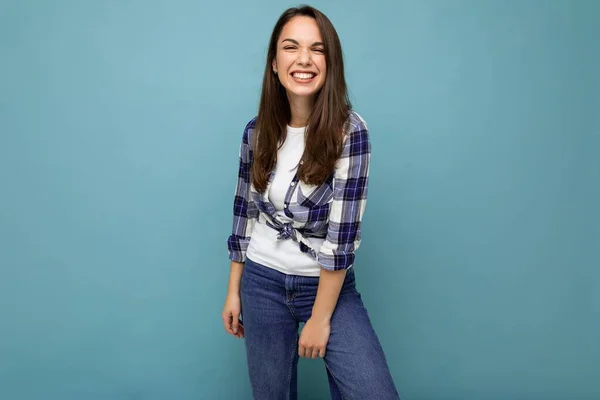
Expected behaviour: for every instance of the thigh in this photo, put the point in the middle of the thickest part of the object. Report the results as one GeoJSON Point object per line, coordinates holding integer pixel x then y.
{"type": "Point", "coordinates": [270, 334]}
{"type": "Point", "coordinates": [354, 356]}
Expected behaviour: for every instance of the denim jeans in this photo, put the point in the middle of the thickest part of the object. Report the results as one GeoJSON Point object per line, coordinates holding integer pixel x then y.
{"type": "Point", "coordinates": [273, 305]}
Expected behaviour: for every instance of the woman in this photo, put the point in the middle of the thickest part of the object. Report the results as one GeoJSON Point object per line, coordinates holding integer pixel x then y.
{"type": "Point", "coordinates": [300, 198]}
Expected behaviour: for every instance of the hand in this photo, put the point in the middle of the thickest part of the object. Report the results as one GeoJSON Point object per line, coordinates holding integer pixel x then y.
{"type": "Point", "coordinates": [314, 338]}
{"type": "Point", "coordinates": [231, 316]}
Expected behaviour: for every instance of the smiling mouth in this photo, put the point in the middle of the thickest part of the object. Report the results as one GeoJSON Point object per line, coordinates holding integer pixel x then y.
{"type": "Point", "coordinates": [303, 76]}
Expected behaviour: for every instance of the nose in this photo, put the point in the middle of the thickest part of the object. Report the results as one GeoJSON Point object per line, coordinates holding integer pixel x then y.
{"type": "Point", "coordinates": [304, 57]}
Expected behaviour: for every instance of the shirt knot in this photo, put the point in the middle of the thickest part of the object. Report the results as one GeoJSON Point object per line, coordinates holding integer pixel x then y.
{"type": "Point", "coordinates": [286, 231]}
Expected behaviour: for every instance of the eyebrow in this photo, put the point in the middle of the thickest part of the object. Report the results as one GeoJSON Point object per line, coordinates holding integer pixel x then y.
{"type": "Point", "coordinates": [296, 42]}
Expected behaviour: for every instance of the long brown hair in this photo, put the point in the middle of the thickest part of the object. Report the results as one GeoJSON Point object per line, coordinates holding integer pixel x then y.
{"type": "Point", "coordinates": [331, 109]}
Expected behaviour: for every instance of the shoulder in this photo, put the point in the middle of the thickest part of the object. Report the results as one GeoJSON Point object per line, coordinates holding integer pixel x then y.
{"type": "Point", "coordinates": [356, 137]}
{"type": "Point", "coordinates": [356, 134]}
{"type": "Point", "coordinates": [356, 125]}
{"type": "Point", "coordinates": [249, 130]}
{"type": "Point", "coordinates": [252, 123]}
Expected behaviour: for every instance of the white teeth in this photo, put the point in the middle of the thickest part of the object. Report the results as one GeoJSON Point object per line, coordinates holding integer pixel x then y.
{"type": "Point", "coordinates": [302, 75]}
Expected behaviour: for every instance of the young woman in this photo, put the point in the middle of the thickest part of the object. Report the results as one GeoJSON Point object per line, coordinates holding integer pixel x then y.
{"type": "Point", "coordinates": [300, 198]}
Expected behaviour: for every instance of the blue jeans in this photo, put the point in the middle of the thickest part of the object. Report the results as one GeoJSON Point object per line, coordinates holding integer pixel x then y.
{"type": "Point", "coordinates": [273, 305]}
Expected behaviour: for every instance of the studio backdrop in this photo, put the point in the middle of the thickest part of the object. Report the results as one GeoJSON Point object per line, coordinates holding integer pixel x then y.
{"type": "Point", "coordinates": [120, 124]}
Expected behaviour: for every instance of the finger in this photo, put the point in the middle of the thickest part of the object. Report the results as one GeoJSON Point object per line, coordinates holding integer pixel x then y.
{"type": "Point", "coordinates": [227, 323]}
{"type": "Point", "coordinates": [235, 323]}
{"type": "Point", "coordinates": [315, 353]}
{"type": "Point", "coordinates": [322, 353]}
{"type": "Point", "coordinates": [240, 331]}
{"type": "Point", "coordinates": [301, 350]}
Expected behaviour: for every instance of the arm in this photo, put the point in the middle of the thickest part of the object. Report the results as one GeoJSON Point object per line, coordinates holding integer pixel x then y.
{"type": "Point", "coordinates": [350, 187]}
{"type": "Point", "coordinates": [315, 333]}
{"type": "Point", "coordinates": [343, 238]}
{"type": "Point", "coordinates": [330, 284]}
{"type": "Point", "coordinates": [233, 307]}
{"type": "Point", "coordinates": [245, 214]}
{"type": "Point", "coordinates": [235, 277]}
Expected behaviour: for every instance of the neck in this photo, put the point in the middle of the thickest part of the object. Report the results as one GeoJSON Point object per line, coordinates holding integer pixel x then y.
{"type": "Point", "coordinates": [300, 108]}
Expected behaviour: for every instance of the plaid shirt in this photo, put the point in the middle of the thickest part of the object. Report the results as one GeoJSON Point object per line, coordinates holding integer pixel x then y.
{"type": "Point", "coordinates": [332, 211]}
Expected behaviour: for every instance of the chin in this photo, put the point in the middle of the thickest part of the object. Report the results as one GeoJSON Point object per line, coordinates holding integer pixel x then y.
{"type": "Point", "coordinates": [303, 93]}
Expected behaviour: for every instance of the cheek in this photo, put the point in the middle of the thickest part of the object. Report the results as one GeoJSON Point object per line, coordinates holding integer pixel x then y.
{"type": "Point", "coordinates": [323, 74]}
{"type": "Point", "coordinates": [285, 61]}
{"type": "Point", "coordinates": [323, 68]}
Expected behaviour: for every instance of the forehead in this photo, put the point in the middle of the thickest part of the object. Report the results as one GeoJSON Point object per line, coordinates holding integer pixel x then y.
{"type": "Point", "coordinates": [302, 29]}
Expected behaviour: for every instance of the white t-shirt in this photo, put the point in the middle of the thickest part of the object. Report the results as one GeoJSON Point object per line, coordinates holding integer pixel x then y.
{"type": "Point", "coordinates": [264, 248]}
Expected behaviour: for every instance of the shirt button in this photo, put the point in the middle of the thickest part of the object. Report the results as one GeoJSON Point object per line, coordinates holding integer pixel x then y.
{"type": "Point", "coordinates": [301, 162]}
{"type": "Point", "coordinates": [285, 206]}
{"type": "Point", "coordinates": [293, 183]}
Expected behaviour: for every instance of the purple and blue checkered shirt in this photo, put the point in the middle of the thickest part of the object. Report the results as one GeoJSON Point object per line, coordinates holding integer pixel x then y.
{"type": "Point", "coordinates": [332, 211]}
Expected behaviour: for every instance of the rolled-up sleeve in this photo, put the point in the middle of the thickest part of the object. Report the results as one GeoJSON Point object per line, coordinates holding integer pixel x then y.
{"type": "Point", "coordinates": [350, 185]}
{"type": "Point", "coordinates": [245, 211]}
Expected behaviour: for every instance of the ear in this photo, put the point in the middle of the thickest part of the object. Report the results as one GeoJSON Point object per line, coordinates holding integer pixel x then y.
{"type": "Point", "coordinates": [274, 66]}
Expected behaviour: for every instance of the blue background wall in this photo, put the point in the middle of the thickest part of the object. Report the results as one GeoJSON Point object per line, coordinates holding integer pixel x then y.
{"type": "Point", "coordinates": [120, 123]}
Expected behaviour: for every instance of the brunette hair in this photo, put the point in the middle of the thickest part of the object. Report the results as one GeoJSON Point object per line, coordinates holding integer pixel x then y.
{"type": "Point", "coordinates": [331, 109]}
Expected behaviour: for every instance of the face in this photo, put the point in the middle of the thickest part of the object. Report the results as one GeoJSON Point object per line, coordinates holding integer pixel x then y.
{"type": "Point", "coordinates": [300, 60]}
